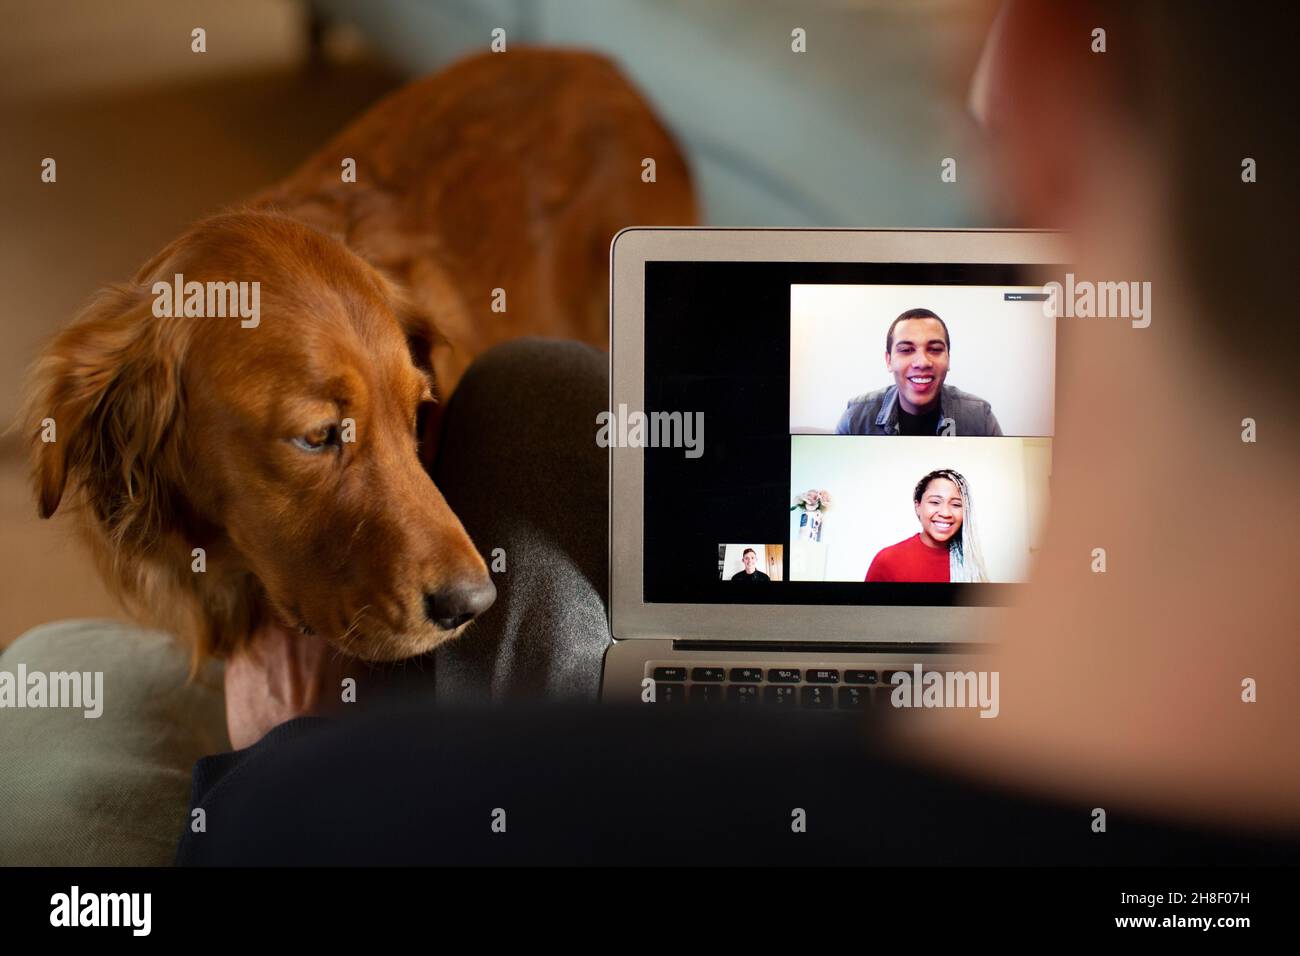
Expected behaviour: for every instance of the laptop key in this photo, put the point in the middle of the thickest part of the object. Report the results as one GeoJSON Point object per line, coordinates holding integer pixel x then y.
{"type": "Point", "coordinates": [742, 694]}
{"type": "Point", "coordinates": [709, 674]}
{"type": "Point", "coordinates": [670, 673]}
{"type": "Point", "coordinates": [818, 698]}
{"type": "Point", "coordinates": [783, 675]}
{"type": "Point", "coordinates": [822, 676]}
{"type": "Point", "coordinates": [780, 696]}
{"type": "Point", "coordinates": [747, 675]}
{"type": "Point", "coordinates": [706, 693]}
{"type": "Point", "coordinates": [854, 698]}
{"type": "Point", "coordinates": [669, 693]}
{"type": "Point", "coordinates": [860, 677]}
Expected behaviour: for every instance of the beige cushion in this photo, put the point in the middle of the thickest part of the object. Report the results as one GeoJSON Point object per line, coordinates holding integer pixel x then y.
{"type": "Point", "coordinates": [112, 790]}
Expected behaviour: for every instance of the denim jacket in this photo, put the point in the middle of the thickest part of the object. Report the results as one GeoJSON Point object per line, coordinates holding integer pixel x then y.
{"type": "Point", "coordinates": [876, 413]}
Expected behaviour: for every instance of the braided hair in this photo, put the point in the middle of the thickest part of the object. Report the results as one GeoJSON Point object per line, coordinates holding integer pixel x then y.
{"type": "Point", "coordinates": [965, 557]}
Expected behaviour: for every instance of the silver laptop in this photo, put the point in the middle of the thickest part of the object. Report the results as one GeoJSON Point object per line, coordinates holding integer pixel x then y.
{"type": "Point", "coordinates": [830, 456]}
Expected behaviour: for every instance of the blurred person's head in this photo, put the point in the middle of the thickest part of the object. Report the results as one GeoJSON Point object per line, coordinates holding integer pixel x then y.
{"type": "Point", "coordinates": [749, 559]}
{"type": "Point", "coordinates": [1138, 151]}
{"type": "Point", "coordinates": [1135, 665]}
{"type": "Point", "coordinates": [916, 352]}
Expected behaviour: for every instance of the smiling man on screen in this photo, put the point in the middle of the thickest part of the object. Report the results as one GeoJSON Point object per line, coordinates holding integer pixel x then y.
{"type": "Point", "coordinates": [917, 349]}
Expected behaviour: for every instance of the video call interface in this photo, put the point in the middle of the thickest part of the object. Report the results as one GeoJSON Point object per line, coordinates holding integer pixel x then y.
{"type": "Point", "coordinates": [873, 434]}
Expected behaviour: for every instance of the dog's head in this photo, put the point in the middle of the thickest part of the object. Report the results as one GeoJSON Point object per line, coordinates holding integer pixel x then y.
{"type": "Point", "coordinates": [280, 439]}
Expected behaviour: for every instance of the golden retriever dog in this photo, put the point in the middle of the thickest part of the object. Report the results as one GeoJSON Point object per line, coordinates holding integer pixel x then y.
{"type": "Point", "coordinates": [230, 470]}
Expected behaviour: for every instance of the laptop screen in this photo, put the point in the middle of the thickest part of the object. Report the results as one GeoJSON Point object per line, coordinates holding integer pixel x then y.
{"type": "Point", "coordinates": [839, 433]}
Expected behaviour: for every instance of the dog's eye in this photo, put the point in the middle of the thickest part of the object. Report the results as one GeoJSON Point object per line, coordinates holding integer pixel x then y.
{"type": "Point", "coordinates": [318, 439]}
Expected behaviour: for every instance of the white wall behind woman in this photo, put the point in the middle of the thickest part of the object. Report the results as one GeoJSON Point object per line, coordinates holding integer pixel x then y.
{"type": "Point", "coordinates": [871, 480]}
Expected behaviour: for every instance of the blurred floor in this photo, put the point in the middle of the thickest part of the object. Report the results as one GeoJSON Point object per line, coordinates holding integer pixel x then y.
{"type": "Point", "coordinates": [145, 145]}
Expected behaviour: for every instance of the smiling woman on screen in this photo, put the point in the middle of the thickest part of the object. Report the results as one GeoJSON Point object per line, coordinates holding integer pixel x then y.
{"type": "Point", "coordinates": [947, 547]}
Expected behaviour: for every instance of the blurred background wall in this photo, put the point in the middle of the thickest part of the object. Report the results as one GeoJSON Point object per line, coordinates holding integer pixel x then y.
{"type": "Point", "coordinates": [149, 136]}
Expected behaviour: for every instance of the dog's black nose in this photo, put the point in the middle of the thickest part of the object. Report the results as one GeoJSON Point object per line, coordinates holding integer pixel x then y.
{"type": "Point", "coordinates": [459, 603]}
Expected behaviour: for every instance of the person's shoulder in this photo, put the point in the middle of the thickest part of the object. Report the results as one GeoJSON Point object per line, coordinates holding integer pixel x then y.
{"type": "Point", "coordinates": [860, 415]}
{"type": "Point", "coordinates": [963, 396]}
{"type": "Point", "coordinates": [884, 564]}
{"type": "Point", "coordinates": [974, 415]}
{"type": "Point", "coordinates": [901, 546]}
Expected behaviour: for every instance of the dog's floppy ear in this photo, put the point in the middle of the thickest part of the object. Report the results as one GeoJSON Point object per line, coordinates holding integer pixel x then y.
{"type": "Point", "coordinates": [101, 407]}
{"type": "Point", "coordinates": [425, 341]}
{"type": "Point", "coordinates": [422, 333]}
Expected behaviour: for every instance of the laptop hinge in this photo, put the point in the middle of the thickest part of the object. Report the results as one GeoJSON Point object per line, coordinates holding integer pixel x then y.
{"type": "Point", "coordinates": [838, 647]}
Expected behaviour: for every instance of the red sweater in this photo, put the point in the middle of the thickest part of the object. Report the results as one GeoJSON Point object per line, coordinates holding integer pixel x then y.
{"type": "Point", "coordinates": [910, 560]}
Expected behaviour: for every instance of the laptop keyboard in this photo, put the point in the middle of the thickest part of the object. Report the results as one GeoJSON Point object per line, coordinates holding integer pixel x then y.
{"type": "Point", "coordinates": [803, 688]}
